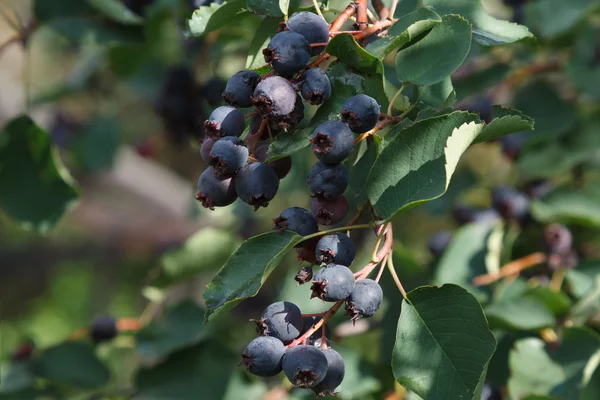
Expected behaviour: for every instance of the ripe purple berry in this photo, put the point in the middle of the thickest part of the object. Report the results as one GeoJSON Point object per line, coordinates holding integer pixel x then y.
{"type": "Point", "coordinates": [240, 87]}
{"type": "Point", "coordinates": [329, 212]}
{"type": "Point", "coordinates": [224, 121]}
{"type": "Point", "coordinates": [281, 320]}
{"type": "Point", "coordinates": [332, 283]}
{"type": "Point", "coordinates": [288, 52]}
{"type": "Point", "coordinates": [314, 28]}
{"type": "Point", "coordinates": [335, 374]}
{"type": "Point", "coordinates": [361, 112]}
{"type": "Point", "coordinates": [316, 88]}
{"type": "Point", "coordinates": [214, 191]}
{"type": "Point", "coordinates": [332, 142]}
{"type": "Point", "coordinates": [296, 219]}
{"type": "Point", "coordinates": [263, 355]}
{"type": "Point", "coordinates": [327, 181]}
{"type": "Point", "coordinates": [304, 366]}
{"type": "Point", "coordinates": [228, 155]}
{"type": "Point", "coordinates": [207, 145]}
{"type": "Point", "coordinates": [281, 166]}
{"type": "Point", "coordinates": [558, 239]}
{"type": "Point", "coordinates": [365, 299]}
{"type": "Point", "coordinates": [103, 329]}
{"type": "Point", "coordinates": [274, 96]}
{"type": "Point", "coordinates": [256, 184]}
{"type": "Point", "coordinates": [336, 248]}
{"type": "Point", "coordinates": [510, 203]}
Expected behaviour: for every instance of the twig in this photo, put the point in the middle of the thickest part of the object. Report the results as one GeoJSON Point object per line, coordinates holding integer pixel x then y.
{"type": "Point", "coordinates": [382, 267]}
{"type": "Point", "coordinates": [557, 280]}
{"type": "Point", "coordinates": [380, 9]}
{"type": "Point", "coordinates": [362, 19]}
{"type": "Point", "coordinates": [360, 212]}
{"type": "Point", "coordinates": [326, 317]}
{"type": "Point", "coordinates": [398, 93]}
{"type": "Point", "coordinates": [511, 268]}
{"type": "Point", "coordinates": [390, 266]}
{"type": "Point", "coordinates": [343, 17]}
{"type": "Point", "coordinates": [393, 8]}
{"type": "Point", "coordinates": [373, 28]}
{"type": "Point", "coordinates": [129, 324]}
{"type": "Point", "coordinates": [317, 8]}
{"type": "Point", "coordinates": [343, 228]}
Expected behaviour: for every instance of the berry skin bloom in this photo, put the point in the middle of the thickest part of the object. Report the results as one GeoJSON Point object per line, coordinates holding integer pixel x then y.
{"type": "Point", "coordinates": [274, 96]}
{"type": "Point", "coordinates": [214, 191]}
{"type": "Point", "coordinates": [287, 52]}
{"type": "Point", "coordinates": [333, 283]}
{"type": "Point", "coordinates": [224, 121]}
{"type": "Point", "coordinates": [256, 184]}
{"type": "Point", "coordinates": [361, 112]}
{"type": "Point", "coordinates": [365, 300]}
{"type": "Point", "coordinates": [296, 219]}
{"type": "Point", "coordinates": [314, 29]}
{"type": "Point", "coordinates": [281, 320]}
{"type": "Point", "coordinates": [228, 155]}
{"type": "Point", "coordinates": [327, 181]}
{"type": "Point", "coordinates": [335, 374]}
{"type": "Point", "coordinates": [316, 88]}
{"type": "Point", "coordinates": [240, 87]}
{"type": "Point", "coordinates": [336, 248]}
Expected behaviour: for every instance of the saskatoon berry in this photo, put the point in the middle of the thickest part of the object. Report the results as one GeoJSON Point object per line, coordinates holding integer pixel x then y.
{"type": "Point", "coordinates": [332, 283]}
{"type": "Point", "coordinates": [281, 166]}
{"type": "Point", "coordinates": [513, 144]}
{"type": "Point", "coordinates": [361, 112]}
{"type": "Point", "coordinates": [332, 142]}
{"type": "Point", "coordinates": [207, 145]}
{"type": "Point", "coordinates": [263, 356]}
{"type": "Point", "coordinates": [274, 96]}
{"type": "Point", "coordinates": [228, 155]}
{"type": "Point", "coordinates": [281, 320]}
{"type": "Point", "coordinates": [211, 90]}
{"type": "Point", "coordinates": [286, 123]}
{"type": "Point", "coordinates": [334, 376]}
{"type": "Point", "coordinates": [316, 88]}
{"type": "Point", "coordinates": [287, 52]}
{"type": "Point", "coordinates": [558, 239]}
{"type": "Point", "coordinates": [315, 338]}
{"type": "Point", "coordinates": [304, 366]}
{"type": "Point", "coordinates": [336, 248]}
{"type": "Point", "coordinates": [365, 299]}
{"type": "Point", "coordinates": [438, 243]}
{"type": "Point", "coordinates": [214, 191]}
{"type": "Point", "coordinates": [256, 184]}
{"type": "Point", "coordinates": [240, 87]}
{"type": "Point", "coordinates": [296, 219]}
{"type": "Point", "coordinates": [224, 121]}
{"type": "Point", "coordinates": [307, 252]}
{"type": "Point", "coordinates": [314, 28]}
{"type": "Point", "coordinates": [304, 275]}
{"type": "Point", "coordinates": [327, 181]}
{"type": "Point", "coordinates": [329, 212]}
{"type": "Point", "coordinates": [103, 329]}
{"type": "Point", "coordinates": [510, 203]}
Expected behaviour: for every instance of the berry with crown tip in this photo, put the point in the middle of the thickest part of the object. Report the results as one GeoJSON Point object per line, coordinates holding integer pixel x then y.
{"type": "Point", "coordinates": [361, 112]}
{"type": "Point", "coordinates": [329, 212]}
{"type": "Point", "coordinates": [304, 366]}
{"type": "Point", "coordinates": [316, 87]}
{"type": "Point", "coordinates": [336, 248]}
{"type": "Point", "coordinates": [332, 142]}
{"type": "Point", "coordinates": [274, 96]}
{"type": "Point", "coordinates": [282, 166]}
{"type": "Point", "coordinates": [103, 329]}
{"type": "Point", "coordinates": [281, 320]}
{"type": "Point", "coordinates": [438, 242]}
{"type": "Point", "coordinates": [287, 52]}
{"type": "Point", "coordinates": [205, 148]}
{"type": "Point", "coordinates": [314, 29]}
{"type": "Point", "coordinates": [304, 275]}
{"type": "Point", "coordinates": [327, 181]}
{"type": "Point", "coordinates": [256, 184]}
{"type": "Point", "coordinates": [365, 300]}
{"type": "Point", "coordinates": [335, 374]}
{"type": "Point", "coordinates": [240, 88]}
{"type": "Point", "coordinates": [263, 355]}
{"type": "Point", "coordinates": [296, 219]}
{"type": "Point", "coordinates": [316, 337]}
{"type": "Point", "coordinates": [224, 121]}
{"type": "Point", "coordinates": [332, 283]}
{"type": "Point", "coordinates": [228, 155]}
{"type": "Point", "coordinates": [214, 191]}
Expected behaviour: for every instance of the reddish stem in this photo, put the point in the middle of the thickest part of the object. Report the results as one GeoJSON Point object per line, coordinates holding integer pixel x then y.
{"type": "Point", "coordinates": [511, 268]}
{"type": "Point", "coordinates": [380, 9]}
{"type": "Point", "coordinates": [343, 17]}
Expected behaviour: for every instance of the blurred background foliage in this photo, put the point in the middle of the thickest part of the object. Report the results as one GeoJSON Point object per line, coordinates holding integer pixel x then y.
{"type": "Point", "coordinates": [123, 97]}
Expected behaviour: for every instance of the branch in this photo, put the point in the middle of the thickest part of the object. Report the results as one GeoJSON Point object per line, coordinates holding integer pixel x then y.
{"type": "Point", "coordinates": [511, 268]}
{"type": "Point", "coordinates": [362, 18]}
{"type": "Point", "coordinates": [380, 9]}
{"type": "Point", "coordinates": [343, 17]}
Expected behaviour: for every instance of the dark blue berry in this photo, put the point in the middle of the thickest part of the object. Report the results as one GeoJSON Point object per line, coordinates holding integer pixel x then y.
{"type": "Point", "coordinates": [327, 181]}
{"type": "Point", "coordinates": [316, 88]}
{"type": "Point", "coordinates": [336, 248]}
{"type": "Point", "coordinates": [296, 219]}
{"type": "Point", "coordinates": [224, 121]}
{"type": "Point", "coordinates": [240, 88]}
{"type": "Point", "coordinates": [205, 149]}
{"type": "Point", "coordinates": [304, 366]}
{"type": "Point", "coordinates": [438, 243]}
{"type": "Point", "coordinates": [365, 299]}
{"type": "Point", "coordinates": [288, 52]}
{"type": "Point", "coordinates": [274, 96]}
{"type": "Point", "coordinates": [361, 112]}
{"type": "Point", "coordinates": [332, 283]}
{"type": "Point", "coordinates": [211, 90]}
{"type": "Point", "coordinates": [510, 203]}
{"type": "Point", "coordinates": [256, 184]}
{"type": "Point", "coordinates": [332, 142]}
{"type": "Point", "coordinates": [281, 320]}
{"type": "Point", "coordinates": [558, 239]}
{"type": "Point", "coordinates": [103, 329]}
{"type": "Point", "coordinates": [263, 356]}
{"type": "Point", "coordinates": [228, 155]}
{"type": "Point", "coordinates": [513, 144]}
{"type": "Point", "coordinates": [286, 123]}
{"type": "Point", "coordinates": [316, 338]}
{"type": "Point", "coordinates": [329, 212]}
{"type": "Point", "coordinates": [334, 376]}
{"type": "Point", "coordinates": [314, 28]}
{"type": "Point", "coordinates": [214, 191]}
{"type": "Point", "coordinates": [282, 166]}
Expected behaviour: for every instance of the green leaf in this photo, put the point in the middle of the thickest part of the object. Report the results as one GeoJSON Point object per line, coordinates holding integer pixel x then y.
{"type": "Point", "coordinates": [443, 344]}
{"type": "Point", "coordinates": [552, 18]}
{"type": "Point", "coordinates": [97, 144]}
{"type": "Point", "coordinates": [72, 363]}
{"type": "Point", "coordinates": [557, 302]}
{"type": "Point", "coordinates": [587, 307]}
{"type": "Point", "coordinates": [34, 186]}
{"type": "Point", "coordinates": [520, 313]}
{"type": "Point", "coordinates": [359, 171]}
{"type": "Point", "coordinates": [416, 166]}
{"type": "Point", "coordinates": [348, 51]}
{"type": "Point", "coordinates": [407, 28]}
{"type": "Point", "coordinates": [267, 28]}
{"type": "Point", "coordinates": [537, 369]}
{"type": "Point", "coordinates": [579, 206]}
{"type": "Point", "coordinates": [284, 6]}
{"type": "Point", "coordinates": [246, 270]}
{"type": "Point", "coordinates": [480, 80]}
{"type": "Point", "coordinates": [437, 55]}
{"type": "Point", "coordinates": [116, 11]}
{"type": "Point", "coordinates": [267, 7]}
{"type": "Point", "coordinates": [591, 391]}
{"type": "Point", "coordinates": [581, 66]}
{"type": "Point", "coordinates": [438, 95]}
{"type": "Point", "coordinates": [505, 122]}
{"type": "Point", "coordinates": [360, 379]}
{"type": "Point", "coordinates": [487, 30]}
{"type": "Point", "coordinates": [15, 377]}
{"type": "Point", "coordinates": [181, 326]}
{"type": "Point", "coordinates": [581, 280]}
{"type": "Point", "coordinates": [208, 19]}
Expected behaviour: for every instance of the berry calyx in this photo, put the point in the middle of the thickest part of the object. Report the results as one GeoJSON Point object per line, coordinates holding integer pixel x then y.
{"type": "Point", "coordinates": [365, 299]}
{"type": "Point", "coordinates": [329, 212]}
{"type": "Point", "coordinates": [296, 219]}
{"type": "Point", "coordinates": [361, 112]}
{"type": "Point", "coordinates": [332, 283]}
{"type": "Point", "coordinates": [304, 366]}
{"type": "Point", "coordinates": [281, 320]}
{"type": "Point", "coordinates": [336, 248]}
{"type": "Point", "coordinates": [332, 142]}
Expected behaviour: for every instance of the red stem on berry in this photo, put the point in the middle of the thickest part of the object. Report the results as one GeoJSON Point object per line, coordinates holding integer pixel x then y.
{"type": "Point", "coordinates": [512, 268]}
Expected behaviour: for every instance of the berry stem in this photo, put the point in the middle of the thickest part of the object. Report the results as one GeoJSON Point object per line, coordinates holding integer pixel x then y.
{"type": "Point", "coordinates": [385, 250]}
{"type": "Point", "coordinates": [343, 17]}
{"type": "Point", "coordinates": [326, 318]}
{"type": "Point", "coordinates": [390, 266]}
{"type": "Point", "coordinates": [359, 214]}
{"type": "Point", "coordinates": [393, 9]}
{"type": "Point", "coordinates": [511, 268]}
{"type": "Point", "coordinates": [129, 324]}
{"type": "Point", "coordinates": [343, 228]}
{"type": "Point", "coordinates": [317, 8]}
{"type": "Point", "coordinates": [362, 18]}
{"type": "Point", "coordinates": [380, 9]}
{"type": "Point", "coordinates": [557, 280]}
{"type": "Point", "coordinates": [250, 114]}
{"type": "Point", "coordinates": [398, 93]}
{"type": "Point", "coordinates": [382, 267]}
{"type": "Point", "coordinates": [373, 28]}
